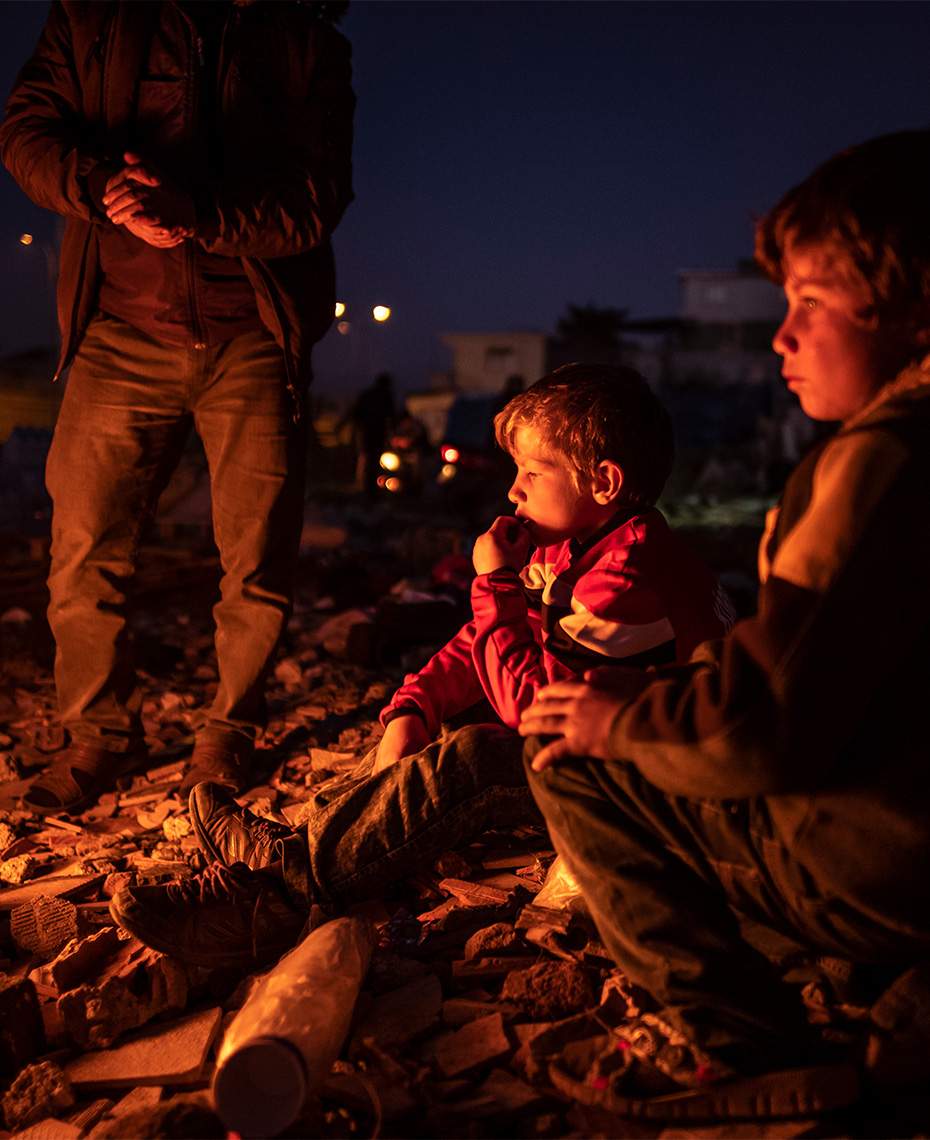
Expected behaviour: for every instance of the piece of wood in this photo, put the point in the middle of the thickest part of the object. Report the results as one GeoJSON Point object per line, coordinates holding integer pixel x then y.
{"type": "Point", "coordinates": [63, 887]}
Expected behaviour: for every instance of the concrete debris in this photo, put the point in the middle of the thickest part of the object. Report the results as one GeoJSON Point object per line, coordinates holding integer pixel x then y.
{"type": "Point", "coordinates": [40, 1090]}
{"type": "Point", "coordinates": [477, 983]}
{"type": "Point", "coordinates": [135, 985]}
{"type": "Point", "coordinates": [171, 1054]}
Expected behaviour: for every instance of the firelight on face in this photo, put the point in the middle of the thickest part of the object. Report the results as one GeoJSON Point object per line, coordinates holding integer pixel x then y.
{"type": "Point", "coordinates": [837, 357]}
{"type": "Point", "coordinates": [548, 500]}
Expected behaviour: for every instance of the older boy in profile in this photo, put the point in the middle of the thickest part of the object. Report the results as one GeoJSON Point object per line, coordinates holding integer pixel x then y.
{"type": "Point", "coordinates": [781, 776]}
{"type": "Point", "coordinates": [607, 583]}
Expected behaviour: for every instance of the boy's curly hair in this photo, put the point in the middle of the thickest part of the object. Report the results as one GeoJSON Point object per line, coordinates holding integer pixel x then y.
{"type": "Point", "coordinates": [870, 205]}
{"type": "Point", "coordinates": [592, 412]}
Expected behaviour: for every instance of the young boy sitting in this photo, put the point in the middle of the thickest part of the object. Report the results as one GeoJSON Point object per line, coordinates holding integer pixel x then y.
{"type": "Point", "coordinates": [608, 583]}
{"type": "Point", "coordinates": [780, 776]}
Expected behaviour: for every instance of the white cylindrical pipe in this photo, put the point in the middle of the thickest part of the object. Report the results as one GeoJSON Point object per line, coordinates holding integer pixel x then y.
{"type": "Point", "coordinates": [284, 1040]}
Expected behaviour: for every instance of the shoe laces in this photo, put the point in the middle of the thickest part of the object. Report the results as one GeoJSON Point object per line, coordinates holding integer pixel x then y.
{"type": "Point", "coordinates": [264, 830]}
{"type": "Point", "coordinates": [216, 883]}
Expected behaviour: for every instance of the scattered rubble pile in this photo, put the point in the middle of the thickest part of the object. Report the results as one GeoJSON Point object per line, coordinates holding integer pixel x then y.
{"type": "Point", "coordinates": [483, 971]}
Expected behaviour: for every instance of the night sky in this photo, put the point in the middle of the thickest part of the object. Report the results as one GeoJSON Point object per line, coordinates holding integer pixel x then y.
{"type": "Point", "coordinates": [512, 157]}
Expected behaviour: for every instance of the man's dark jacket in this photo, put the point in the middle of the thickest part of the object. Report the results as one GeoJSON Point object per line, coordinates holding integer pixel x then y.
{"type": "Point", "coordinates": [284, 105]}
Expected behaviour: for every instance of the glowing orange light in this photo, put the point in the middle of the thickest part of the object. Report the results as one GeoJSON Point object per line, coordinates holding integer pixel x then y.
{"type": "Point", "coordinates": [26, 239]}
{"type": "Point", "coordinates": [340, 308]}
{"type": "Point", "coordinates": [390, 461]}
{"type": "Point", "coordinates": [450, 454]}
{"type": "Point", "coordinates": [393, 483]}
{"type": "Point", "coordinates": [381, 312]}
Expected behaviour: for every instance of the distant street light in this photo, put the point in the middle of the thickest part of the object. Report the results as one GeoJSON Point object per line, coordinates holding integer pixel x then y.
{"type": "Point", "coordinates": [340, 308]}
{"type": "Point", "coordinates": [381, 312]}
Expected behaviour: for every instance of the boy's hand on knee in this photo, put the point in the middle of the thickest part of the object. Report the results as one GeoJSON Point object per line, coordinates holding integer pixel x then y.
{"type": "Point", "coordinates": [580, 713]}
{"type": "Point", "coordinates": [404, 736]}
{"type": "Point", "coordinates": [504, 543]}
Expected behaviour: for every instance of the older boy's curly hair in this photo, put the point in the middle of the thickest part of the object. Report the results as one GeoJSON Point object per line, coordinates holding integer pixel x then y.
{"type": "Point", "coordinates": [592, 412]}
{"type": "Point", "coordinates": [870, 205]}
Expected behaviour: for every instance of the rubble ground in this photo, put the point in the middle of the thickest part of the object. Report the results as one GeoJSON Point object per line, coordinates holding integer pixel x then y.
{"type": "Point", "coordinates": [473, 986]}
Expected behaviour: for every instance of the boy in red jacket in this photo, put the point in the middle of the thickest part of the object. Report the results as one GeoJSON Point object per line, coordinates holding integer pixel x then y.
{"type": "Point", "coordinates": [607, 584]}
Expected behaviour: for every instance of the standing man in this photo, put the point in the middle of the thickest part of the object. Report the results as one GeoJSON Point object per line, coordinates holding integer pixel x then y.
{"type": "Point", "coordinates": [200, 151]}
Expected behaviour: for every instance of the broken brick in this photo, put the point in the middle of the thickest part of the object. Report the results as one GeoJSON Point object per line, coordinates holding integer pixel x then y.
{"type": "Point", "coordinates": [78, 959]}
{"type": "Point", "coordinates": [45, 925]}
{"type": "Point", "coordinates": [137, 984]}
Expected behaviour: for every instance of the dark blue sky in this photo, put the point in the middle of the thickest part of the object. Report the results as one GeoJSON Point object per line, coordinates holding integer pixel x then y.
{"type": "Point", "coordinates": [512, 157]}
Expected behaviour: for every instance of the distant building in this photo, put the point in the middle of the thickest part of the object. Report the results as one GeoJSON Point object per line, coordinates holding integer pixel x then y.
{"type": "Point", "coordinates": [484, 362]}
{"type": "Point", "coordinates": [727, 321]}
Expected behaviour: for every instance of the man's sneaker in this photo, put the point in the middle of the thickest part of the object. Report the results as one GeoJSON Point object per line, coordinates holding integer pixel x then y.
{"type": "Point", "coordinates": [226, 916]}
{"type": "Point", "coordinates": [230, 834]}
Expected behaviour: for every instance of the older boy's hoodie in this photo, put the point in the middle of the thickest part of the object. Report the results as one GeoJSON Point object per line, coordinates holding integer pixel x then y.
{"type": "Point", "coordinates": [633, 594]}
{"type": "Point", "coordinates": [813, 713]}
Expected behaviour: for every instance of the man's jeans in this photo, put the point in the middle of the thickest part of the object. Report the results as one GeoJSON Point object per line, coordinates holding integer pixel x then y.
{"type": "Point", "coordinates": [128, 408]}
{"type": "Point", "coordinates": [666, 878]}
{"type": "Point", "coordinates": [376, 829]}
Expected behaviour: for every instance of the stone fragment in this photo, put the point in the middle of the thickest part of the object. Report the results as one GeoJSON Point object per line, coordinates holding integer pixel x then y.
{"type": "Point", "coordinates": [7, 838]}
{"type": "Point", "coordinates": [44, 925]}
{"type": "Point", "coordinates": [137, 984]}
{"type": "Point", "coordinates": [176, 827]}
{"type": "Point", "coordinates": [19, 869]}
{"type": "Point", "coordinates": [549, 991]}
{"type": "Point", "coordinates": [493, 941]}
{"type": "Point", "coordinates": [401, 1015]}
{"type": "Point", "coordinates": [482, 1042]}
{"type": "Point", "coordinates": [22, 1036]}
{"type": "Point", "coordinates": [39, 1091]}
{"type": "Point", "coordinates": [173, 1053]}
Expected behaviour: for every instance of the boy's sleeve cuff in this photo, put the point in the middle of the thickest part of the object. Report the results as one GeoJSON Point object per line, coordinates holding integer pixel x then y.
{"type": "Point", "coordinates": [402, 710]}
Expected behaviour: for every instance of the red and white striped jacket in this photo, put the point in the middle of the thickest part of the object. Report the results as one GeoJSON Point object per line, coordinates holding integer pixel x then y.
{"type": "Point", "coordinates": [634, 594]}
